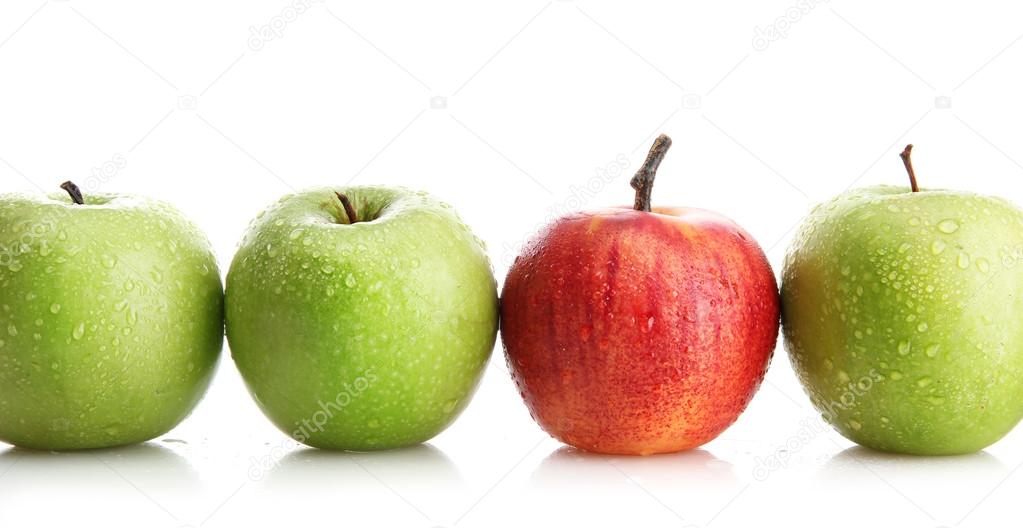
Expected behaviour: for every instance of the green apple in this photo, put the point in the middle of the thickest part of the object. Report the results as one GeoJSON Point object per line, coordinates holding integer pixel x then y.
{"type": "Point", "coordinates": [111, 319]}
{"type": "Point", "coordinates": [901, 313]}
{"type": "Point", "coordinates": [361, 318]}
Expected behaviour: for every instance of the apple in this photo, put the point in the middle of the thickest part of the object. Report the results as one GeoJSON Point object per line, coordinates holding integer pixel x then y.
{"type": "Point", "coordinates": [901, 314]}
{"type": "Point", "coordinates": [361, 318]}
{"type": "Point", "coordinates": [639, 330]}
{"type": "Point", "coordinates": [111, 319]}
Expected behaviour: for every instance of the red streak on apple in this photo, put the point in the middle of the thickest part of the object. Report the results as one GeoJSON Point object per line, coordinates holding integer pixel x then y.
{"type": "Point", "coordinates": [631, 332]}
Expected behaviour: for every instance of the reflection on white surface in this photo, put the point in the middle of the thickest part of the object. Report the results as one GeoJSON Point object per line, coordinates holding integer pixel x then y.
{"type": "Point", "coordinates": [920, 470]}
{"type": "Point", "coordinates": [145, 480]}
{"type": "Point", "coordinates": [417, 466]}
{"type": "Point", "coordinates": [568, 465]}
{"type": "Point", "coordinates": [684, 489]}
{"type": "Point", "coordinates": [146, 465]}
{"type": "Point", "coordinates": [915, 482]}
{"type": "Point", "coordinates": [413, 485]}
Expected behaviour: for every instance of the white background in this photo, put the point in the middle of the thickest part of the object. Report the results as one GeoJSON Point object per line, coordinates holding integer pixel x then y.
{"type": "Point", "coordinates": [513, 112]}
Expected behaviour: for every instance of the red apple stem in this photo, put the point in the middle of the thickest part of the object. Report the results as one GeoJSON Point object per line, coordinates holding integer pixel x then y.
{"type": "Point", "coordinates": [908, 162]}
{"type": "Point", "coordinates": [643, 181]}
{"type": "Point", "coordinates": [74, 192]}
{"type": "Point", "coordinates": [348, 207]}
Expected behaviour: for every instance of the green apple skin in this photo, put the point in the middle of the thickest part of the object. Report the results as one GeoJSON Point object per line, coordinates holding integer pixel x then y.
{"type": "Point", "coordinates": [111, 320]}
{"type": "Point", "coordinates": [901, 316]}
{"type": "Point", "coordinates": [366, 336]}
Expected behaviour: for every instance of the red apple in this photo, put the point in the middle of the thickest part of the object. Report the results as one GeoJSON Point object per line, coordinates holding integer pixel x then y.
{"type": "Point", "coordinates": [631, 331]}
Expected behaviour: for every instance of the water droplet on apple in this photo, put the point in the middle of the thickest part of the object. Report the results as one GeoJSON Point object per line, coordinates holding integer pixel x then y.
{"type": "Point", "coordinates": [108, 261]}
{"type": "Point", "coordinates": [855, 425]}
{"type": "Point", "coordinates": [963, 261]}
{"type": "Point", "coordinates": [843, 377]}
{"type": "Point", "coordinates": [79, 331]}
{"type": "Point", "coordinates": [905, 347]}
{"type": "Point", "coordinates": [935, 400]}
{"type": "Point", "coordinates": [295, 233]}
{"type": "Point", "coordinates": [948, 226]}
{"type": "Point", "coordinates": [924, 381]}
{"type": "Point", "coordinates": [914, 221]}
{"type": "Point", "coordinates": [350, 281]}
{"type": "Point", "coordinates": [895, 375]}
{"type": "Point", "coordinates": [983, 265]}
{"type": "Point", "coordinates": [932, 351]}
{"type": "Point", "coordinates": [3, 343]}
{"type": "Point", "coordinates": [55, 308]}
{"type": "Point", "coordinates": [922, 327]}
{"type": "Point", "coordinates": [937, 247]}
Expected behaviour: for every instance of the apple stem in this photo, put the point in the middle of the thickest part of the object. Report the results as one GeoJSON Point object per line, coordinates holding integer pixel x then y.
{"type": "Point", "coordinates": [74, 192]}
{"type": "Point", "coordinates": [349, 209]}
{"type": "Point", "coordinates": [643, 181]}
{"type": "Point", "coordinates": [908, 162]}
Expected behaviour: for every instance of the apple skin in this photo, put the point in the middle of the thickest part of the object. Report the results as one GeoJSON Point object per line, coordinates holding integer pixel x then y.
{"type": "Point", "coordinates": [111, 320]}
{"type": "Point", "coordinates": [637, 333]}
{"type": "Point", "coordinates": [901, 316]}
{"type": "Point", "coordinates": [366, 336]}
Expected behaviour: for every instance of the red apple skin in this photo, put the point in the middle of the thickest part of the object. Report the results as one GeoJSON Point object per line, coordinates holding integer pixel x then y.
{"type": "Point", "coordinates": [635, 333]}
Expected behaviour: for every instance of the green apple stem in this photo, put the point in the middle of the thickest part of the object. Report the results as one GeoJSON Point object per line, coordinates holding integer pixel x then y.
{"type": "Point", "coordinates": [353, 217]}
{"type": "Point", "coordinates": [643, 181]}
{"type": "Point", "coordinates": [908, 162]}
{"type": "Point", "coordinates": [74, 192]}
